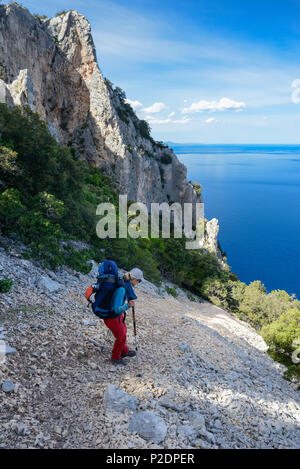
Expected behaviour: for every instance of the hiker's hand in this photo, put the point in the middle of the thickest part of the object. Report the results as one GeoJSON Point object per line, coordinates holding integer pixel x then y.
{"type": "Point", "coordinates": [131, 303]}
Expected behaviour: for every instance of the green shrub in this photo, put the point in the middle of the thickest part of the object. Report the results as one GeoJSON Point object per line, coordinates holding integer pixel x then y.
{"type": "Point", "coordinates": [191, 297]}
{"type": "Point", "coordinates": [166, 158]}
{"type": "Point", "coordinates": [40, 17]}
{"type": "Point", "coordinates": [283, 337]}
{"type": "Point", "coordinates": [120, 93]}
{"type": "Point", "coordinates": [130, 253]}
{"type": "Point", "coordinates": [253, 304]}
{"type": "Point", "coordinates": [144, 129]}
{"type": "Point", "coordinates": [8, 165]}
{"type": "Point", "coordinates": [108, 83]}
{"type": "Point", "coordinates": [60, 13]}
{"type": "Point", "coordinates": [77, 260]}
{"type": "Point", "coordinates": [197, 188]}
{"type": "Point", "coordinates": [11, 208]}
{"type": "Point", "coordinates": [5, 285]}
{"type": "Point", "coordinates": [3, 75]}
{"type": "Point", "coordinates": [122, 115]}
{"type": "Point", "coordinates": [216, 291]}
{"type": "Point", "coordinates": [281, 333]}
{"type": "Point", "coordinates": [279, 302]}
{"type": "Point", "coordinates": [49, 195]}
{"type": "Point", "coordinates": [161, 144]}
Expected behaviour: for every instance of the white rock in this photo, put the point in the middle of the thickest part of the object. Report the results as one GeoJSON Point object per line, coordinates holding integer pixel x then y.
{"type": "Point", "coordinates": [8, 386]}
{"type": "Point", "coordinates": [149, 426]}
{"type": "Point", "coordinates": [118, 400]}
{"type": "Point", "coordinates": [46, 283]}
{"type": "Point", "coordinates": [187, 431]}
{"type": "Point", "coordinates": [5, 349]}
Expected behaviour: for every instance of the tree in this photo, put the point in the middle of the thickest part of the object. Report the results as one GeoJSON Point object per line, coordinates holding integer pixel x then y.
{"type": "Point", "coordinates": [8, 166]}
{"type": "Point", "coordinates": [280, 334]}
{"type": "Point", "coordinates": [145, 129]}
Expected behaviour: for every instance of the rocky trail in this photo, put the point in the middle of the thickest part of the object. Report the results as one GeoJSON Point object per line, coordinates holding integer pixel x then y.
{"type": "Point", "coordinates": [202, 378]}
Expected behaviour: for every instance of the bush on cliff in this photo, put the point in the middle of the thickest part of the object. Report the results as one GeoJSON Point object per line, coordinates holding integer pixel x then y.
{"type": "Point", "coordinates": [281, 334]}
{"type": "Point", "coordinates": [46, 195]}
{"type": "Point", "coordinates": [283, 338]}
{"type": "Point", "coordinates": [6, 284]}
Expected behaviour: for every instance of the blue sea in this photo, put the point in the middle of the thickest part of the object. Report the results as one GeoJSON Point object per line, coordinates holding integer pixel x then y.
{"type": "Point", "coordinates": [254, 192]}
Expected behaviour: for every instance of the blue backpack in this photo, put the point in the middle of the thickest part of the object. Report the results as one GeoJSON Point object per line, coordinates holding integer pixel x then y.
{"type": "Point", "coordinates": [107, 282]}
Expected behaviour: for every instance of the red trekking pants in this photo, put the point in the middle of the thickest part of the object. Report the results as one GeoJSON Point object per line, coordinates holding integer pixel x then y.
{"type": "Point", "coordinates": [119, 330]}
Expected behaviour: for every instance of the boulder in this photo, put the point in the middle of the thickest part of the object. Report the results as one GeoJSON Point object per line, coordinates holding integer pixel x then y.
{"type": "Point", "coordinates": [149, 426]}
{"type": "Point", "coordinates": [118, 400]}
{"type": "Point", "coordinates": [6, 349]}
{"type": "Point", "coordinates": [187, 431]}
{"type": "Point", "coordinates": [184, 347]}
{"type": "Point", "coordinates": [8, 386]}
{"type": "Point", "coordinates": [198, 422]}
{"type": "Point", "coordinates": [46, 283]}
{"type": "Point", "coordinates": [87, 322]}
{"type": "Point", "coordinates": [168, 404]}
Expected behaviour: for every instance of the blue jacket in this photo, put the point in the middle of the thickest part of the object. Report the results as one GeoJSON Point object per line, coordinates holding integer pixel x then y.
{"type": "Point", "coordinates": [118, 304]}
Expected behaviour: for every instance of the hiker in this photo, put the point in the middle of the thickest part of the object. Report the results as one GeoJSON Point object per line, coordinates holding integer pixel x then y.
{"type": "Point", "coordinates": [119, 306]}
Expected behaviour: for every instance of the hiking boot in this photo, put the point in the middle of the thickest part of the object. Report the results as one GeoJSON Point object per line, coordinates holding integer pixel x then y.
{"type": "Point", "coordinates": [119, 362]}
{"type": "Point", "coordinates": [131, 353]}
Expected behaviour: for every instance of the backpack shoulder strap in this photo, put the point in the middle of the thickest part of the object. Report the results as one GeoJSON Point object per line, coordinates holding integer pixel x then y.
{"type": "Point", "coordinates": [129, 290]}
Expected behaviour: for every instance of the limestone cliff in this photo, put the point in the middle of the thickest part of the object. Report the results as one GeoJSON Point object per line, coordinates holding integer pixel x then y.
{"type": "Point", "coordinates": [52, 66]}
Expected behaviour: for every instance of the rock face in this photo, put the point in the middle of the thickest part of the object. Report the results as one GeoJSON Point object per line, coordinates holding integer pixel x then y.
{"type": "Point", "coordinates": [52, 66]}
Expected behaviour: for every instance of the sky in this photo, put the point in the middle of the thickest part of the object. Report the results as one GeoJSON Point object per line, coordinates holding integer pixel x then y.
{"type": "Point", "coordinates": [201, 71]}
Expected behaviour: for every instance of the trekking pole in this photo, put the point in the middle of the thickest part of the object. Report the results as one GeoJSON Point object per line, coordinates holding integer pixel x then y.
{"type": "Point", "coordinates": [134, 327]}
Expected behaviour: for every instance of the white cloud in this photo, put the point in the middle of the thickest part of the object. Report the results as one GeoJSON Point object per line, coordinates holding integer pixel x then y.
{"type": "Point", "coordinates": [134, 104]}
{"type": "Point", "coordinates": [168, 120]}
{"type": "Point", "coordinates": [158, 121]}
{"type": "Point", "coordinates": [171, 114]}
{"type": "Point", "coordinates": [156, 107]}
{"type": "Point", "coordinates": [210, 120]}
{"type": "Point", "coordinates": [224, 104]}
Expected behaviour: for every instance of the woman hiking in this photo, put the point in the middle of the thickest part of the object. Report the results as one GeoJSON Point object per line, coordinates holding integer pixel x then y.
{"type": "Point", "coordinates": [119, 306]}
